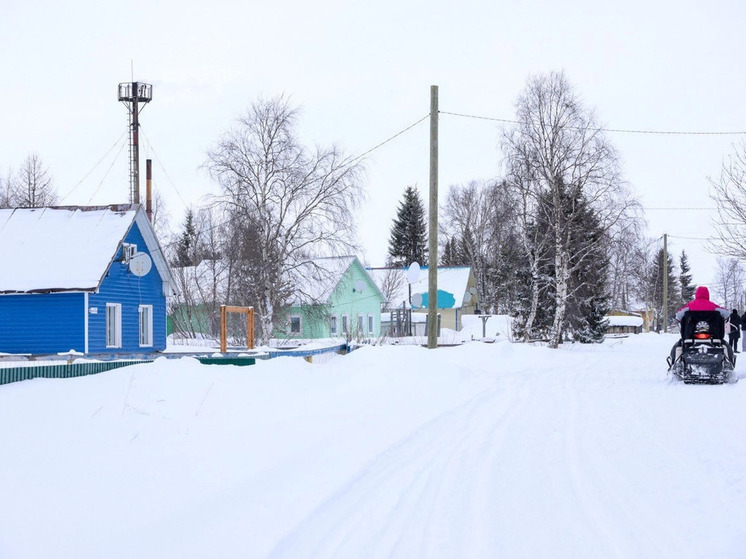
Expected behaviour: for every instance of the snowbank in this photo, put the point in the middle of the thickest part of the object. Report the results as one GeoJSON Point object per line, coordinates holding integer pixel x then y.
{"type": "Point", "coordinates": [480, 450]}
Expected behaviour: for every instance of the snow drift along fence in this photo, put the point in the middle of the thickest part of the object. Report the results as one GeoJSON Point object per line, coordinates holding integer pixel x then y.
{"type": "Point", "coordinates": [63, 370]}
{"type": "Point", "coordinates": [69, 370]}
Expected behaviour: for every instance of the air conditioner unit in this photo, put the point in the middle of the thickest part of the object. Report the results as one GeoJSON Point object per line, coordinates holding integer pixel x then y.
{"type": "Point", "coordinates": [128, 252]}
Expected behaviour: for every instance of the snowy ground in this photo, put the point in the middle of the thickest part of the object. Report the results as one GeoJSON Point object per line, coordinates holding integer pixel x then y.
{"type": "Point", "coordinates": [481, 450]}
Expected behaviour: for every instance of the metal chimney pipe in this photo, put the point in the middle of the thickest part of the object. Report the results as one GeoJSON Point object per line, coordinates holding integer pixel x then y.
{"type": "Point", "coordinates": [149, 188]}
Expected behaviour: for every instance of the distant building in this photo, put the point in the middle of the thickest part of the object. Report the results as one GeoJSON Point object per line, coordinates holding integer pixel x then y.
{"type": "Point", "coordinates": [334, 297]}
{"type": "Point", "coordinates": [624, 324]}
{"type": "Point", "coordinates": [457, 293]}
{"type": "Point", "coordinates": [89, 279]}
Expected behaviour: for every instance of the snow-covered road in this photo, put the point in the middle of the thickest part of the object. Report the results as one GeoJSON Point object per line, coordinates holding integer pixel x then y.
{"type": "Point", "coordinates": [485, 450]}
{"type": "Point", "coordinates": [605, 458]}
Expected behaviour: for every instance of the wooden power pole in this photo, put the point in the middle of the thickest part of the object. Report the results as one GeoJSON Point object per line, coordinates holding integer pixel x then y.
{"type": "Point", "coordinates": [665, 282]}
{"type": "Point", "coordinates": [432, 275]}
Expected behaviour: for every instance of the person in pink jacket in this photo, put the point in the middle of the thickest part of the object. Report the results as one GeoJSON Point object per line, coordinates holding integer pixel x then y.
{"type": "Point", "coordinates": [701, 302]}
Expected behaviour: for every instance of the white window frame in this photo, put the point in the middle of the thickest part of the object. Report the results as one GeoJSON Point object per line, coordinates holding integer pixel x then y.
{"type": "Point", "coordinates": [345, 324]}
{"type": "Point", "coordinates": [333, 325]}
{"type": "Point", "coordinates": [300, 325]}
{"type": "Point", "coordinates": [371, 325]}
{"type": "Point", "coordinates": [114, 325]}
{"type": "Point", "coordinates": [146, 325]}
{"type": "Point", "coordinates": [360, 324]}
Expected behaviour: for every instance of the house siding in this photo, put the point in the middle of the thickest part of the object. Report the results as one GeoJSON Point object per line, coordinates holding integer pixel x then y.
{"type": "Point", "coordinates": [342, 301]}
{"type": "Point", "coordinates": [42, 323]}
{"type": "Point", "coordinates": [122, 286]}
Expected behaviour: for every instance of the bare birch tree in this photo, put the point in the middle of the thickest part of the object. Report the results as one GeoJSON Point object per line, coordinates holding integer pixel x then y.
{"type": "Point", "coordinates": [730, 198]}
{"type": "Point", "coordinates": [5, 192]}
{"type": "Point", "coordinates": [298, 202]}
{"type": "Point", "coordinates": [568, 165]}
{"type": "Point", "coordinates": [629, 254]}
{"type": "Point", "coordinates": [202, 276]}
{"type": "Point", "coordinates": [394, 282]}
{"type": "Point", "coordinates": [483, 212]}
{"type": "Point", "coordinates": [729, 283]}
{"type": "Point", "coordinates": [522, 181]}
{"type": "Point", "coordinates": [33, 186]}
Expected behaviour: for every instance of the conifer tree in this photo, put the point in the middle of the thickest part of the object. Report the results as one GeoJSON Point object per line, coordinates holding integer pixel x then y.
{"type": "Point", "coordinates": [588, 303]}
{"type": "Point", "coordinates": [186, 245]}
{"type": "Point", "coordinates": [467, 248]}
{"type": "Point", "coordinates": [450, 256]}
{"type": "Point", "coordinates": [685, 279]}
{"type": "Point", "coordinates": [408, 240]}
{"type": "Point", "coordinates": [673, 288]}
{"type": "Point", "coordinates": [588, 300]}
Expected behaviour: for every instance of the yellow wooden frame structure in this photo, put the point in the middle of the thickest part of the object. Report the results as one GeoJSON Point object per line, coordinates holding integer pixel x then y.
{"type": "Point", "coordinates": [249, 312]}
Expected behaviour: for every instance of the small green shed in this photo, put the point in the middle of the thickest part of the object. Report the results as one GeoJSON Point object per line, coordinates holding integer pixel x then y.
{"type": "Point", "coordinates": [335, 297]}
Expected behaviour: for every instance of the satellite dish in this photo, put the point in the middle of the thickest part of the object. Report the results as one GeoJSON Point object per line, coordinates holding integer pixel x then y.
{"type": "Point", "coordinates": [467, 297]}
{"type": "Point", "coordinates": [417, 300]}
{"type": "Point", "coordinates": [473, 290]}
{"type": "Point", "coordinates": [413, 273]}
{"type": "Point", "coordinates": [359, 286]}
{"type": "Point", "coordinates": [140, 264]}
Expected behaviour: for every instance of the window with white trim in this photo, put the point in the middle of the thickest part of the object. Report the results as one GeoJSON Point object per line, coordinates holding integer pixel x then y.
{"type": "Point", "coordinates": [360, 325]}
{"type": "Point", "coordinates": [345, 324]}
{"type": "Point", "coordinates": [145, 313]}
{"type": "Point", "coordinates": [333, 325]}
{"type": "Point", "coordinates": [371, 325]}
{"type": "Point", "coordinates": [113, 325]}
{"type": "Point", "coordinates": [295, 324]}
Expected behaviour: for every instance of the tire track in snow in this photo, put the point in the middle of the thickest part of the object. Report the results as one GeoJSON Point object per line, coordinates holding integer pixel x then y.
{"type": "Point", "coordinates": [660, 466]}
{"type": "Point", "coordinates": [607, 492]}
{"type": "Point", "coordinates": [409, 501]}
{"type": "Point", "coordinates": [518, 470]}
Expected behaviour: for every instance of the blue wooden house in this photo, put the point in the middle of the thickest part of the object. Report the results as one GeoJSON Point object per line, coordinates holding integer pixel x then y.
{"type": "Point", "coordinates": [89, 279]}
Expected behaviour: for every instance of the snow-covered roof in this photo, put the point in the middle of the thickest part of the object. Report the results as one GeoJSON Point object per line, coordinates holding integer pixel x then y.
{"type": "Point", "coordinates": [316, 280]}
{"type": "Point", "coordinates": [453, 280]}
{"type": "Point", "coordinates": [635, 321]}
{"type": "Point", "coordinates": [65, 248]}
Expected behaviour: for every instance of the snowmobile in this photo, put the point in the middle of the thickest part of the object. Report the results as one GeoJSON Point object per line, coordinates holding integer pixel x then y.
{"type": "Point", "coordinates": [702, 355]}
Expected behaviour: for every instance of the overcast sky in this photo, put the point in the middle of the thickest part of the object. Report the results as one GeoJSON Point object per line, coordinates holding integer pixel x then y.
{"type": "Point", "coordinates": [361, 72]}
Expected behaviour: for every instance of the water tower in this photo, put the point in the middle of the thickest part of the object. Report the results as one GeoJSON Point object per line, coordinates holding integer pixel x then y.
{"type": "Point", "coordinates": [133, 95]}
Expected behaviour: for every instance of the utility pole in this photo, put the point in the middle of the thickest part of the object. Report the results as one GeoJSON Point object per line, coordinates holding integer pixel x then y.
{"type": "Point", "coordinates": [665, 282]}
{"type": "Point", "coordinates": [432, 271]}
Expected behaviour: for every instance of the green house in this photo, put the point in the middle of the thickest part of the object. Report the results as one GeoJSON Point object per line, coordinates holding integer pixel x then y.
{"type": "Point", "coordinates": [336, 297]}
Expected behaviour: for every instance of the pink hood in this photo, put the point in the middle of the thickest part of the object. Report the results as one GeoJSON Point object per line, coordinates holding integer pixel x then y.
{"type": "Point", "coordinates": [702, 293]}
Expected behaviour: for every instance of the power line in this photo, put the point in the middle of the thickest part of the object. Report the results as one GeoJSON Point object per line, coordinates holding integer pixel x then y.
{"type": "Point", "coordinates": [390, 139]}
{"type": "Point", "coordinates": [160, 163]}
{"type": "Point", "coordinates": [617, 130]}
{"type": "Point", "coordinates": [351, 161]}
{"type": "Point", "coordinates": [95, 166]}
{"type": "Point", "coordinates": [681, 209]}
{"type": "Point", "coordinates": [107, 172]}
{"type": "Point", "coordinates": [693, 238]}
